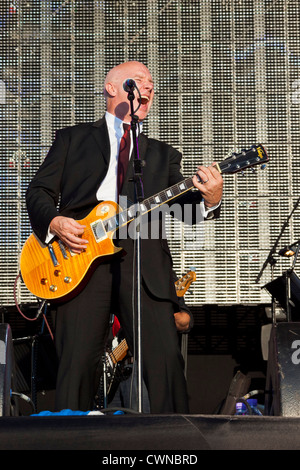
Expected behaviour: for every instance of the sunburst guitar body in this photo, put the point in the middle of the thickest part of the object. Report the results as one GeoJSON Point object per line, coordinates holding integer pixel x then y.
{"type": "Point", "coordinates": [51, 271]}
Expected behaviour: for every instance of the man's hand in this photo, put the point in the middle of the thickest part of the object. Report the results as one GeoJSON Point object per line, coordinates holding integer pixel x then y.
{"type": "Point", "coordinates": [182, 321]}
{"type": "Point", "coordinates": [210, 185]}
{"type": "Point", "coordinates": [69, 231]}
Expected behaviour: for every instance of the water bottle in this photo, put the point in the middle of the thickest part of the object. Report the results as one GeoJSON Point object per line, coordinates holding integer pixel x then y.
{"type": "Point", "coordinates": [253, 404]}
{"type": "Point", "coordinates": [241, 408]}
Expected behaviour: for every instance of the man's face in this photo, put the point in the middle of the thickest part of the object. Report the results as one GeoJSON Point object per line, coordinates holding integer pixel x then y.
{"type": "Point", "coordinates": [118, 103]}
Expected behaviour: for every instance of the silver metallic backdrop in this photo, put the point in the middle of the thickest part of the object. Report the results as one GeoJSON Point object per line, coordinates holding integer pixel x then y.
{"type": "Point", "coordinates": [227, 75]}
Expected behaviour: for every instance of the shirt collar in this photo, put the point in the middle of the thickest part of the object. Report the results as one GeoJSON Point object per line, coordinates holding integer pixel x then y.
{"type": "Point", "coordinates": [117, 124]}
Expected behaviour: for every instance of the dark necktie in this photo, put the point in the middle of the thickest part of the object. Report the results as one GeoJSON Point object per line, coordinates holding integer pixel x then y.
{"type": "Point", "coordinates": [123, 156]}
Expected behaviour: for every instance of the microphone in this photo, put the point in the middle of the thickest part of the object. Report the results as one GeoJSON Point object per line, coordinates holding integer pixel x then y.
{"type": "Point", "coordinates": [129, 85]}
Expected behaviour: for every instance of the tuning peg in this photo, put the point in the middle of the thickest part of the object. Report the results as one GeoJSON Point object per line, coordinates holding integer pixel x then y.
{"type": "Point", "coordinates": [263, 166]}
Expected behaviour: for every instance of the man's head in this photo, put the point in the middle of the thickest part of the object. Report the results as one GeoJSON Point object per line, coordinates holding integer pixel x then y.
{"type": "Point", "coordinates": [117, 102]}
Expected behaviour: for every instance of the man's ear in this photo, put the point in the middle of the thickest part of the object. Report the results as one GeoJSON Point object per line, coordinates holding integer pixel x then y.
{"type": "Point", "coordinates": [110, 89]}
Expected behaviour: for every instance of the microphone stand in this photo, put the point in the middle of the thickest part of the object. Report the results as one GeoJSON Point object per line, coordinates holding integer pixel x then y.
{"type": "Point", "coordinates": [270, 259]}
{"type": "Point", "coordinates": [139, 194]}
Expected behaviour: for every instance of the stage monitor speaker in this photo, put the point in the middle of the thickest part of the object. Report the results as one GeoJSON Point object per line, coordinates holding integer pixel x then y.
{"type": "Point", "coordinates": [282, 397]}
{"type": "Point", "coordinates": [6, 369]}
{"type": "Point", "coordinates": [278, 289]}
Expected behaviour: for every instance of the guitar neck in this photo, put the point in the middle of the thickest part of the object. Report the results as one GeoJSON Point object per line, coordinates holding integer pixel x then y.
{"type": "Point", "coordinates": [119, 352]}
{"type": "Point", "coordinates": [127, 215]}
{"type": "Point", "coordinates": [233, 164]}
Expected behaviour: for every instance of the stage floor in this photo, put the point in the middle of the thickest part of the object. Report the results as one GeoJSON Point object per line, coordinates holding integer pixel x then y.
{"type": "Point", "coordinates": [149, 433]}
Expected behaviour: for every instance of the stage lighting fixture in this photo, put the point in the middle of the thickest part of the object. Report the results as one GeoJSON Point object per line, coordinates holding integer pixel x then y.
{"type": "Point", "coordinates": [287, 251]}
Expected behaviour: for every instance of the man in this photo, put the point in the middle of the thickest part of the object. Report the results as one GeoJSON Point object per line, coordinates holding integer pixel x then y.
{"type": "Point", "coordinates": [79, 171]}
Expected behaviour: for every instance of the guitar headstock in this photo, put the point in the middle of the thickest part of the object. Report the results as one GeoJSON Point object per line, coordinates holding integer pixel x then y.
{"type": "Point", "coordinates": [184, 283]}
{"type": "Point", "coordinates": [237, 162]}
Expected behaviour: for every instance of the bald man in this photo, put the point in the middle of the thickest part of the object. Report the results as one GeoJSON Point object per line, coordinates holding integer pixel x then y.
{"type": "Point", "coordinates": [79, 171]}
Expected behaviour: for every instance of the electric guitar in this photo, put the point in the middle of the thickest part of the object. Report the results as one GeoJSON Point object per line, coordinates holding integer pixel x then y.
{"type": "Point", "coordinates": [52, 272]}
{"type": "Point", "coordinates": [181, 286]}
{"type": "Point", "coordinates": [113, 359]}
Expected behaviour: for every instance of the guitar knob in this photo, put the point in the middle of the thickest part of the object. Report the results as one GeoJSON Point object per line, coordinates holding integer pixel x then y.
{"type": "Point", "coordinates": [67, 280]}
{"type": "Point", "coordinates": [53, 288]}
{"type": "Point", "coordinates": [44, 281]}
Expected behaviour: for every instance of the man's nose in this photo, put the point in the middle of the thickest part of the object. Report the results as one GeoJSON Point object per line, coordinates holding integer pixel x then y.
{"type": "Point", "coordinates": [148, 85]}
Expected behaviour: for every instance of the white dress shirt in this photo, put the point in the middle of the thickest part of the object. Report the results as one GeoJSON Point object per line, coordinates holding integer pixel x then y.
{"type": "Point", "coordinates": [107, 190]}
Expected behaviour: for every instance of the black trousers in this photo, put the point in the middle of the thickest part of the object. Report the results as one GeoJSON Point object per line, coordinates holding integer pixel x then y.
{"type": "Point", "coordinates": [81, 328]}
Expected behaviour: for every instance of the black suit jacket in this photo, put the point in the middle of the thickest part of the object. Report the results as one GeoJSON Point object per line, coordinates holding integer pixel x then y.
{"type": "Point", "coordinates": [68, 180]}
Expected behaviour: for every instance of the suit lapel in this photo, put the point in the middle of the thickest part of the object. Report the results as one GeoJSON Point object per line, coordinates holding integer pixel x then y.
{"type": "Point", "coordinates": [143, 144]}
{"type": "Point", "coordinates": [100, 134]}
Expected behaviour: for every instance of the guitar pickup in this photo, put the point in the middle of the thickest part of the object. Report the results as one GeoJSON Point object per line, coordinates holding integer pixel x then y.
{"type": "Point", "coordinates": [98, 230]}
{"type": "Point", "coordinates": [63, 249]}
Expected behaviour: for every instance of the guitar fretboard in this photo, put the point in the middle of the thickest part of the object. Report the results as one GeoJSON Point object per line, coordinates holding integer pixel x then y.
{"type": "Point", "coordinates": [126, 215]}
